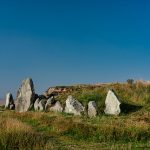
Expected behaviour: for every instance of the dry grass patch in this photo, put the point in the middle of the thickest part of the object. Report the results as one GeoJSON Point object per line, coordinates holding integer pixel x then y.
{"type": "Point", "coordinates": [14, 125]}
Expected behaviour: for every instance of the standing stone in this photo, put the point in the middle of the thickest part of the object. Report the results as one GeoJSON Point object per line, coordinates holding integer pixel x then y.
{"type": "Point", "coordinates": [42, 104]}
{"type": "Point", "coordinates": [73, 106]}
{"type": "Point", "coordinates": [112, 104]}
{"type": "Point", "coordinates": [92, 109]}
{"type": "Point", "coordinates": [36, 104]}
{"type": "Point", "coordinates": [56, 107]}
{"type": "Point", "coordinates": [9, 102]}
{"type": "Point", "coordinates": [25, 96]}
{"type": "Point", "coordinates": [49, 103]}
{"type": "Point", "coordinates": [39, 105]}
{"type": "Point", "coordinates": [12, 106]}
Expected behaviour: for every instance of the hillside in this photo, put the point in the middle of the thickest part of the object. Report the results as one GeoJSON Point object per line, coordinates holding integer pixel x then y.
{"type": "Point", "coordinates": [136, 94]}
{"type": "Point", "coordinates": [48, 130]}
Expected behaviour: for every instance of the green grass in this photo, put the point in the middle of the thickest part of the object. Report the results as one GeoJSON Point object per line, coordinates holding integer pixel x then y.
{"type": "Point", "coordinates": [44, 131]}
{"type": "Point", "coordinates": [137, 94]}
{"type": "Point", "coordinates": [58, 131]}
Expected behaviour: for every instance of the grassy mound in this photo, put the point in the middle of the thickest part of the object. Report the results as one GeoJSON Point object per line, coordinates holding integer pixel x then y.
{"type": "Point", "coordinates": [44, 131]}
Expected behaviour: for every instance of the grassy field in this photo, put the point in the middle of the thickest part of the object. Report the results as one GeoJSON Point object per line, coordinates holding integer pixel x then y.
{"type": "Point", "coordinates": [46, 131]}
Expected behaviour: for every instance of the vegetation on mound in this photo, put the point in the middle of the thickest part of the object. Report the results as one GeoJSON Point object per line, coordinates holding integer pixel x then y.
{"type": "Point", "coordinates": [44, 131]}
{"type": "Point", "coordinates": [135, 94]}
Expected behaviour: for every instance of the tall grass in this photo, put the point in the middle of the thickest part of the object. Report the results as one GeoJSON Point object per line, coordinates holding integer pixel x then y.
{"type": "Point", "coordinates": [15, 134]}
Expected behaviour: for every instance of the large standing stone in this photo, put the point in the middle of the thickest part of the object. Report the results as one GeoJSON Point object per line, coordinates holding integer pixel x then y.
{"type": "Point", "coordinates": [73, 106]}
{"type": "Point", "coordinates": [9, 102]}
{"type": "Point", "coordinates": [56, 107]}
{"type": "Point", "coordinates": [92, 109]}
{"type": "Point", "coordinates": [112, 104]}
{"type": "Point", "coordinates": [25, 96]}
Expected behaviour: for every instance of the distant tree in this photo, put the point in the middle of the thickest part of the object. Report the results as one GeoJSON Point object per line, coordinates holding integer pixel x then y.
{"type": "Point", "coordinates": [130, 81]}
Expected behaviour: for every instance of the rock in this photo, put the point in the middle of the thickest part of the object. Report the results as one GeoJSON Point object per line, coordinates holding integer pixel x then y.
{"type": "Point", "coordinates": [9, 102]}
{"type": "Point", "coordinates": [112, 104]}
{"type": "Point", "coordinates": [51, 101]}
{"type": "Point", "coordinates": [36, 104]}
{"type": "Point", "coordinates": [8, 98]}
{"type": "Point", "coordinates": [92, 109]}
{"type": "Point", "coordinates": [56, 107]}
{"type": "Point", "coordinates": [39, 105]}
{"type": "Point", "coordinates": [42, 104]}
{"type": "Point", "coordinates": [12, 106]}
{"type": "Point", "coordinates": [57, 90]}
{"type": "Point", "coordinates": [25, 96]}
{"type": "Point", "coordinates": [73, 106]}
{"type": "Point", "coordinates": [51, 90]}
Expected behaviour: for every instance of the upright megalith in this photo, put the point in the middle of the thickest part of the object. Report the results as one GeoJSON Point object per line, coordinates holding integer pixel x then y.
{"type": "Point", "coordinates": [92, 109]}
{"type": "Point", "coordinates": [42, 104]}
{"type": "Point", "coordinates": [39, 104]}
{"type": "Point", "coordinates": [25, 96]}
{"type": "Point", "coordinates": [73, 106]}
{"type": "Point", "coordinates": [112, 104]}
{"type": "Point", "coordinates": [36, 104]}
{"type": "Point", "coordinates": [50, 102]}
{"type": "Point", "coordinates": [9, 101]}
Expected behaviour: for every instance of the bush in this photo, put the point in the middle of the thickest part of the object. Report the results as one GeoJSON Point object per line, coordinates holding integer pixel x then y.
{"type": "Point", "coordinates": [130, 81]}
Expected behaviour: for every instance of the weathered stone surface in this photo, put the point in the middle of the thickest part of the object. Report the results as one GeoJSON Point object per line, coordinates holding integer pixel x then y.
{"type": "Point", "coordinates": [57, 90]}
{"type": "Point", "coordinates": [56, 107]}
{"type": "Point", "coordinates": [8, 98]}
{"type": "Point", "coordinates": [9, 102]}
{"type": "Point", "coordinates": [73, 106]}
{"type": "Point", "coordinates": [25, 96]}
{"type": "Point", "coordinates": [12, 106]}
{"type": "Point", "coordinates": [112, 104]}
{"type": "Point", "coordinates": [92, 109]}
{"type": "Point", "coordinates": [36, 104]}
{"type": "Point", "coordinates": [51, 101]}
{"type": "Point", "coordinates": [42, 104]}
{"type": "Point", "coordinates": [39, 105]}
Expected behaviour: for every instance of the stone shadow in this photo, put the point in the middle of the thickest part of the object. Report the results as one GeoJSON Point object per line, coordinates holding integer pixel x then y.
{"type": "Point", "coordinates": [129, 108]}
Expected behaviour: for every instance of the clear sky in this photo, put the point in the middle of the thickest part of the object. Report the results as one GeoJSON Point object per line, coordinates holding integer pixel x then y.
{"type": "Point", "coordinates": [63, 42]}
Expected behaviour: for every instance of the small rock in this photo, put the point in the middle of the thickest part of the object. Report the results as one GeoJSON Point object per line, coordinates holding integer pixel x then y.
{"type": "Point", "coordinates": [36, 104]}
{"type": "Point", "coordinates": [49, 103]}
{"type": "Point", "coordinates": [12, 106]}
{"type": "Point", "coordinates": [56, 107]}
{"type": "Point", "coordinates": [39, 105]}
{"type": "Point", "coordinates": [73, 106]}
{"type": "Point", "coordinates": [42, 104]}
{"type": "Point", "coordinates": [92, 109]}
{"type": "Point", "coordinates": [9, 102]}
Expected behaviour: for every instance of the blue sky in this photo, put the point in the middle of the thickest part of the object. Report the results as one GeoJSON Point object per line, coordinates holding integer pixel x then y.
{"type": "Point", "coordinates": [69, 42]}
